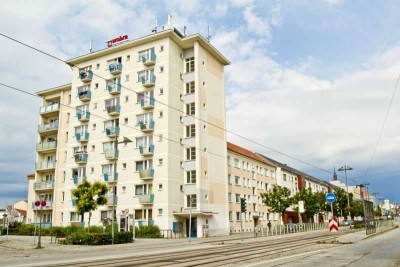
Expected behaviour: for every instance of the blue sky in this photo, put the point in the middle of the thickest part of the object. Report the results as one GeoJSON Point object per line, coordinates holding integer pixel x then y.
{"type": "Point", "coordinates": [312, 79]}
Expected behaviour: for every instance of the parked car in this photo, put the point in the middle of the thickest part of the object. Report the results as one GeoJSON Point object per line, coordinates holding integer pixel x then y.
{"type": "Point", "coordinates": [347, 222]}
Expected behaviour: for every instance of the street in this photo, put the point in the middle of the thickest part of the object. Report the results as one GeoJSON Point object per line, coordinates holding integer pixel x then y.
{"type": "Point", "coordinates": [380, 250]}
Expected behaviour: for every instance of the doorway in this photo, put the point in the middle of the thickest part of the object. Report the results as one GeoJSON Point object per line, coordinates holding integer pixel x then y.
{"type": "Point", "coordinates": [193, 232]}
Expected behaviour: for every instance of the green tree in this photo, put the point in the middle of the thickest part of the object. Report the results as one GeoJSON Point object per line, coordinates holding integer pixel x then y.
{"type": "Point", "coordinates": [323, 206]}
{"type": "Point", "coordinates": [311, 205]}
{"type": "Point", "coordinates": [278, 199]}
{"type": "Point", "coordinates": [357, 208]}
{"type": "Point", "coordinates": [378, 211]}
{"type": "Point", "coordinates": [89, 196]}
{"type": "Point", "coordinates": [340, 205]}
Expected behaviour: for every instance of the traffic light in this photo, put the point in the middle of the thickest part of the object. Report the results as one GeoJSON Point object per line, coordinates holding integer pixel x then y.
{"type": "Point", "coordinates": [243, 205]}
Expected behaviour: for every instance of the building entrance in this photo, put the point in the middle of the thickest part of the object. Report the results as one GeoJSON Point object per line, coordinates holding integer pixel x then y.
{"type": "Point", "coordinates": [193, 232]}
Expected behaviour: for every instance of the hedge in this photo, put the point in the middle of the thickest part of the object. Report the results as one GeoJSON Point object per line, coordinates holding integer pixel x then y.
{"type": "Point", "coordinates": [95, 239]}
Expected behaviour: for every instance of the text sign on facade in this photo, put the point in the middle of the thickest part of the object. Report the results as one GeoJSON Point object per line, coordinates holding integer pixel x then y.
{"type": "Point", "coordinates": [330, 197]}
{"type": "Point", "coordinates": [117, 40]}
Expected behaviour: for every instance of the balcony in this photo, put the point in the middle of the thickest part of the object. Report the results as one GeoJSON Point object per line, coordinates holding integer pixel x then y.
{"type": "Point", "coordinates": [85, 96]}
{"type": "Point", "coordinates": [110, 178]}
{"type": "Point", "coordinates": [86, 75]}
{"type": "Point", "coordinates": [110, 201]}
{"type": "Point", "coordinates": [81, 158]}
{"type": "Point", "coordinates": [49, 206]}
{"type": "Point", "coordinates": [145, 222]}
{"type": "Point", "coordinates": [146, 150]}
{"type": "Point", "coordinates": [82, 137]}
{"type": "Point", "coordinates": [45, 165]}
{"type": "Point", "coordinates": [147, 103]}
{"type": "Point", "coordinates": [146, 199]}
{"type": "Point", "coordinates": [149, 60]}
{"type": "Point", "coordinates": [50, 110]}
{"type": "Point", "coordinates": [114, 110]}
{"type": "Point", "coordinates": [112, 131]}
{"type": "Point", "coordinates": [77, 179]}
{"type": "Point", "coordinates": [114, 89]}
{"type": "Point", "coordinates": [115, 68]}
{"type": "Point", "coordinates": [149, 82]}
{"type": "Point", "coordinates": [112, 154]}
{"type": "Point", "coordinates": [48, 128]}
{"type": "Point", "coordinates": [46, 146]}
{"type": "Point", "coordinates": [147, 174]}
{"type": "Point", "coordinates": [83, 116]}
{"type": "Point", "coordinates": [43, 185]}
{"type": "Point", "coordinates": [147, 127]}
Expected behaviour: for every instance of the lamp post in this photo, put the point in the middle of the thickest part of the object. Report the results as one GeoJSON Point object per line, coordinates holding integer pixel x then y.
{"type": "Point", "coordinates": [42, 203]}
{"type": "Point", "coordinates": [125, 141]}
{"type": "Point", "coordinates": [190, 217]}
{"type": "Point", "coordinates": [345, 169]}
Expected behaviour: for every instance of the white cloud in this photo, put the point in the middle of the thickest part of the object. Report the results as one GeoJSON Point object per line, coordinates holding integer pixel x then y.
{"type": "Point", "coordinates": [333, 2]}
{"type": "Point", "coordinates": [256, 24]}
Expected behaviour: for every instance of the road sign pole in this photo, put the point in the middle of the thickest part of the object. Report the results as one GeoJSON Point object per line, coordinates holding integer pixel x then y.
{"type": "Point", "coordinates": [332, 211]}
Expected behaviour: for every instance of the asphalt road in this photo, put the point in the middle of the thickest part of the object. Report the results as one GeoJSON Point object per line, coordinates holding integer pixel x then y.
{"type": "Point", "coordinates": [380, 250]}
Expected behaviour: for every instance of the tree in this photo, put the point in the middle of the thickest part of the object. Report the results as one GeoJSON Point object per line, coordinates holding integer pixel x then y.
{"type": "Point", "coordinates": [323, 206]}
{"type": "Point", "coordinates": [378, 211]}
{"type": "Point", "coordinates": [358, 208]}
{"type": "Point", "coordinates": [310, 202]}
{"type": "Point", "coordinates": [89, 196]}
{"type": "Point", "coordinates": [340, 205]}
{"type": "Point", "coordinates": [278, 199]}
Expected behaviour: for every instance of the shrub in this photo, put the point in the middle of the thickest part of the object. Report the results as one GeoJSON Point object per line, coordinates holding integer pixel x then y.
{"type": "Point", "coordinates": [149, 231]}
{"type": "Point", "coordinates": [92, 239]}
{"type": "Point", "coordinates": [109, 228]}
{"type": "Point", "coordinates": [96, 229]}
{"type": "Point", "coordinates": [26, 229]}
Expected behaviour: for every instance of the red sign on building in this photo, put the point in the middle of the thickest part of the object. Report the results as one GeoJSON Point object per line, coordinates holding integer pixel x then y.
{"type": "Point", "coordinates": [117, 40]}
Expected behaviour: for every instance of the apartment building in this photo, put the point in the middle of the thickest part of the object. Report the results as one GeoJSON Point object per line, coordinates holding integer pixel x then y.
{"type": "Point", "coordinates": [147, 118]}
{"type": "Point", "coordinates": [248, 176]}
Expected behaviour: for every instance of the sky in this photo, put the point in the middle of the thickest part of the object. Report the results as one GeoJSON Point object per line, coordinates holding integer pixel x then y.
{"type": "Point", "coordinates": [310, 79]}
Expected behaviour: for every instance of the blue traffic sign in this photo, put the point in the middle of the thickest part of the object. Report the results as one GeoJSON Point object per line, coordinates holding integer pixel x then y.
{"type": "Point", "coordinates": [330, 197]}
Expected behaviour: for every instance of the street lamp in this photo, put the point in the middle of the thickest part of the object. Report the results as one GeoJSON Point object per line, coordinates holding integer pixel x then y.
{"type": "Point", "coordinates": [125, 141]}
{"type": "Point", "coordinates": [345, 169]}
{"type": "Point", "coordinates": [42, 203]}
{"type": "Point", "coordinates": [190, 217]}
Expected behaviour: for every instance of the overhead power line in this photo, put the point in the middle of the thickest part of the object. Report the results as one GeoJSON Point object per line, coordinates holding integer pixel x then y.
{"type": "Point", "coordinates": [179, 110]}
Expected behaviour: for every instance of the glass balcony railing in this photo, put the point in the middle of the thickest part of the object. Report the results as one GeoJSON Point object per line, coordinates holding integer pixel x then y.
{"type": "Point", "coordinates": [50, 108]}
{"type": "Point", "coordinates": [78, 179]}
{"type": "Point", "coordinates": [85, 95]}
{"type": "Point", "coordinates": [45, 165]}
{"type": "Point", "coordinates": [147, 174]}
{"type": "Point", "coordinates": [114, 110]}
{"type": "Point", "coordinates": [115, 68]}
{"type": "Point", "coordinates": [110, 178]}
{"type": "Point", "coordinates": [147, 103]}
{"type": "Point", "coordinates": [150, 81]}
{"type": "Point", "coordinates": [146, 199]}
{"type": "Point", "coordinates": [43, 185]}
{"type": "Point", "coordinates": [112, 131]}
{"type": "Point", "coordinates": [147, 126]}
{"type": "Point", "coordinates": [48, 127]}
{"type": "Point", "coordinates": [110, 201]}
{"type": "Point", "coordinates": [81, 157]}
{"type": "Point", "coordinates": [45, 146]}
{"type": "Point", "coordinates": [146, 151]}
{"type": "Point", "coordinates": [83, 116]}
{"type": "Point", "coordinates": [82, 137]}
{"type": "Point", "coordinates": [112, 154]}
{"type": "Point", "coordinates": [114, 88]}
{"type": "Point", "coordinates": [86, 75]}
{"type": "Point", "coordinates": [149, 59]}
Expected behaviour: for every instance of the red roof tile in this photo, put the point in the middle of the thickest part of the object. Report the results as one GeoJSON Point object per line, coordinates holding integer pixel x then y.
{"type": "Point", "coordinates": [246, 153]}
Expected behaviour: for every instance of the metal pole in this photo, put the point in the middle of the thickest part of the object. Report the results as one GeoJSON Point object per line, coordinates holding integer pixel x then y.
{"type": "Point", "coordinates": [40, 226]}
{"type": "Point", "coordinates": [190, 218]}
{"type": "Point", "coordinates": [347, 187]}
{"type": "Point", "coordinates": [8, 224]}
{"type": "Point", "coordinates": [333, 216]}
{"type": "Point", "coordinates": [113, 192]}
{"type": "Point", "coordinates": [34, 219]}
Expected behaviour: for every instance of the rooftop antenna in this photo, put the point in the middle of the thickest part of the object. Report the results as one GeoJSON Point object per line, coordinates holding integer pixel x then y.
{"type": "Point", "coordinates": [90, 46]}
{"type": "Point", "coordinates": [208, 35]}
{"type": "Point", "coordinates": [184, 30]}
{"type": "Point", "coordinates": [154, 30]}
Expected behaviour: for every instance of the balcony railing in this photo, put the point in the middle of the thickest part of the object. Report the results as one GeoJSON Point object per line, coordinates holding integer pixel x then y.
{"type": "Point", "coordinates": [110, 201]}
{"type": "Point", "coordinates": [83, 116]}
{"type": "Point", "coordinates": [81, 158]}
{"type": "Point", "coordinates": [112, 154]}
{"type": "Point", "coordinates": [147, 127]}
{"type": "Point", "coordinates": [147, 174]}
{"type": "Point", "coordinates": [85, 95]}
{"type": "Point", "coordinates": [115, 68]}
{"type": "Point", "coordinates": [50, 108]}
{"type": "Point", "coordinates": [86, 75]}
{"type": "Point", "coordinates": [146, 199]}
{"type": "Point", "coordinates": [146, 151]}
{"type": "Point", "coordinates": [45, 146]}
{"type": "Point", "coordinates": [149, 60]}
{"type": "Point", "coordinates": [114, 88]}
{"type": "Point", "coordinates": [145, 222]}
{"type": "Point", "coordinates": [43, 185]}
{"type": "Point", "coordinates": [112, 131]}
{"type": "Point", "coordinates": [147, 103]}
{"type": "Point", "coordinates": [82, 137]}
{"type": "Point", "coordinates": [46, 165]}
{"type": "Point", "coordinates": [78, 179]}
{"type": "Point", "coordinates": [114, 110]}
{"type": "Point", "coordinates": [149, 81]}
{"type": "Point", "coordinates": [48, 127]}
{"type": "Point", "coordinates": [110, 178]}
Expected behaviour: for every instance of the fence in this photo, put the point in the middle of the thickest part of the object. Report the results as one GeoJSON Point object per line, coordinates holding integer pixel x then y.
{"type": "Point", "coordinates": [171, 234]}
{"type": "Point", "coordinates": [289, 228]}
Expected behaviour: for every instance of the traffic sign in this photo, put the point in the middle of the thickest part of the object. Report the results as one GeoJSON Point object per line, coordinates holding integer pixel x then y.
{"type": "Point", "coordinates": [9, 208]}
{"type": "Point", "coordinates": [330, 197]}
{"type": "Point", "coordinates": [333, 225]}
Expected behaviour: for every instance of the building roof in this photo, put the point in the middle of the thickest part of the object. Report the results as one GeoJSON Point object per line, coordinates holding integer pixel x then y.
{"type": "Point", "coordinates": [183, 41]}
{"type": "Point", "coordinates": [54, 89]}
{"type": "Point", "coordinates": [22, 212]}
{"type": "Point", "coordinates": [247, 153]}
{"type": "Point", "coordinates": [31, 176]}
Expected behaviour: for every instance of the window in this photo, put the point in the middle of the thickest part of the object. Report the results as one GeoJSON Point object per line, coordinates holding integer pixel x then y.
{"type": "Point", "coordinates": [144, 165]}
{"type": "Point", "coordinates": [284, 177]}
{"type": "Point", "coordinates": [190, 131]}
{"type": "Point", "coordinates": [160, 212]}
{"type": "Point", "coordinates": [62, 217]}
{"type": "Point", "coordinates": [66, 137]}
{"type": "Point", "coordinates": [124, 189]}
{"type": "Point", "coordinates": [128, 57]}
{"type": "Point", "coordinates": [191, 153]}
{"type": "Point", "coordinates": [145, 75]}
{"type": "Point", "coordinates": [230, 215]}
{"type": "Point", "coordinates": [68, 115]}
{"type": "Point", "coordinates": [126, 120]}
{"type": "Point", "coordinates": [97, 66]}
{"type": "Point", "coordinates": [126, 78]}
{"type": "Point", "coordinates": [190, 88]}
{"type": "Point", "coordinates": [160, 161]}
{"type": "Point", "coordinates": [96, 86]}
{"type": "Point", "coordinates": [161, 91]}
{"type": "Point", "coordinates": [123, 165]}
{"type": "Point", "coordinates": [63, 196]}
{"type": "Point", "coordinates": [146, 54]}
{"type": "Point", "coordinates": [160, 138]}
{"type": "Point", "coordinates": [236, 163]}
{"type": "Point", "coordinates": [191, 201]}
{"type": "Point", "coordinates": [190, 109]}
{"type": "Point", "coordinates": [144, 118]}
{"type": "Point", "coordinates": [229, 197]}
{"type": "Point", "coordinates": [160, 187]}
{"type": "Point", "coordinates": [94, 126]}
{"type": "Point", "coordinates": [161, 69]}
{"type": "Point", "coordinates": [237, 180]}
{"type": "Point", "coordinates": [191, 177]}
{"type": "Point", "coordinates": [160, 114]}
{"type": "Point", "coordinates": [108, 146]}
{"type": "Point", "coordinates": [145, 96]}
{"type": "Point", "coordinates": [69, 99]}
{"type": "Point", "coordinates": [161, 48]}
{"type": "Point", "coordinates": [144, 141]}
{"type": "Point", "coordinates": [189, 64]}
{"type": "Point", "coordinates": [143, 189]}
{"type": "Point", "coordinates": [74, 217]}
{"type": "Point", "coordinates": [237, 198]}
{"type": "Point", "coordinates": [237, 216]}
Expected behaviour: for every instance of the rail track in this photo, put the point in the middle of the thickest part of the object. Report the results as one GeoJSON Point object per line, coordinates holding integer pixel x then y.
{"type": "Point", "coordinates": [216, 255]}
